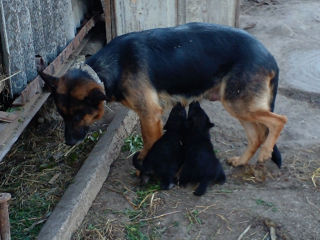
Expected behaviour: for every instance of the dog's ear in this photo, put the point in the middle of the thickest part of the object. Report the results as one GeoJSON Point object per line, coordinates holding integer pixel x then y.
{"type": "Point", "coordinates": [51, 81]}
{"type": "Point", "coordinates": [95, 97]}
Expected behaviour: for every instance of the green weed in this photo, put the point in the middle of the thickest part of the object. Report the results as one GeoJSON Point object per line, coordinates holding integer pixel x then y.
{"type": "Point", "coordinates": [261, 202]}
{"type": "Point", "coordinates": [132, 144]}
{"type": "Point", "coordinates": [133, 232]}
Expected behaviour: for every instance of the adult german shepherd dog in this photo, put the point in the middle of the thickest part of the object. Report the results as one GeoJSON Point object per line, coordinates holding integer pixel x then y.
{"type": "Point", "coordinates": [144, 70]}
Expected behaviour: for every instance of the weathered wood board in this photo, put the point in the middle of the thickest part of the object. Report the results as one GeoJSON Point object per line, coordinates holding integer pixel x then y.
{"type": "Point", "coordinates": [137, 15]}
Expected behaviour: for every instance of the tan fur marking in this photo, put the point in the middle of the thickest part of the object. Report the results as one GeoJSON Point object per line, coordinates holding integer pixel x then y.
{"type": "Point", "coordinates": [62, 108]}
{"type": "Point", "coordinates": [88, 119]}
{"type": "Point", "coordinates": [141, 97]}
{"type": "Point", "coordinates": [81, 91]}
{"type": "Point", "coordinates": [61, 87]}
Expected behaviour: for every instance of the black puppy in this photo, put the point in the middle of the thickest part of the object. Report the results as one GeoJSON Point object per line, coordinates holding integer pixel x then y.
{"type": "Point", "coordinates": [201, 164]}
{"type": "Point", "coordinates": [166, 156]}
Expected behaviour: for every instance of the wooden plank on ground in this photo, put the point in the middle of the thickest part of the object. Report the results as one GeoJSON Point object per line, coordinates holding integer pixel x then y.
{"type": "Point", "coordinates": [10, 132]}
{"type": "Point", "coordinates": [7, 116]}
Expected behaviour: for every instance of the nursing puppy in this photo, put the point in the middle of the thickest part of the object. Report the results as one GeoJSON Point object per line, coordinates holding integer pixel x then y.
{"type": "Point", "coordinates": [201, 164]}
{"type": "Point", "coordinates": [166, 155]}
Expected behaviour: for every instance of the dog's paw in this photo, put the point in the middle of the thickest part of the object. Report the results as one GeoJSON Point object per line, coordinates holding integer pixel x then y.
{"type": "Point", "coordinates": [264, 155]}
{"type": "Point", "coordinates": [235, 161]}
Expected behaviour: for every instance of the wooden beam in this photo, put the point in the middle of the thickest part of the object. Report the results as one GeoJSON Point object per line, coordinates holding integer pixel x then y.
{"type": "Point", "coordinates": [7, 116]}
{"type": "Point", "coordinates": [108, 19]}
{"type": "Point", "coordinates": [237, 13]}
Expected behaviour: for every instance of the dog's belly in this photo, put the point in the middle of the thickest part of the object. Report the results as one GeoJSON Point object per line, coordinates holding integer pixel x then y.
{"type": "Point", "coordinates": [168, 100]}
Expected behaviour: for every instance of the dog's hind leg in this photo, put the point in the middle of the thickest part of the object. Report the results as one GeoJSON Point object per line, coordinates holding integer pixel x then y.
{"type": "Point", "coordinates": [275, 124]}
{"type": "Point", "coordinates": [247, 98]}
{"type": "Point", "coordinates": [254, 142]}
{"type": "Point", "coordinates": [276, 155]}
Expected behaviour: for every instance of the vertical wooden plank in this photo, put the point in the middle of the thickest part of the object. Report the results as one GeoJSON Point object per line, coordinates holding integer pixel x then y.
{"type": "Point", "coordinates": [113, 19]}
{"type": "Point", "coordinates": [212, 11]}
{"type": "Point", "coordinates": [108, 19]}
{"type": "Point", "coordinates": [237, 13]}
{"type": "Point", "coordinates": [181, 11]}
{"type": "Point", "coordinates": [137, 15]}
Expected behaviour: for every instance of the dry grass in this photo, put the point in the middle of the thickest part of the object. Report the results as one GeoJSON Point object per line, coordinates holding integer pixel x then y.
{"type": "Point", "coordinates": [37, 171]}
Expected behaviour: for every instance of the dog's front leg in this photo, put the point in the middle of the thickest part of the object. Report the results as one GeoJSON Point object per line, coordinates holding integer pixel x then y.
{"type": "Point", "coordinates": [146, 105]}
{"type": "Point", "coordinates": [151, 129]}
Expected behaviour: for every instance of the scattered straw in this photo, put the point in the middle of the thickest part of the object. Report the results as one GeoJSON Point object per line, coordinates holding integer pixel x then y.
{"type": "Point", "coordinates": [312, 204]}
{"type": "Point", "coordinates": [205, 208]}
{"type": "Point", "coordinates": [6, 78]}
{"type": "Point", "coordinates": [159, 216]}
{"type": "Point", "coordinates": [244, 232]}
{"type": "Point", "coordinates": [315, 175]}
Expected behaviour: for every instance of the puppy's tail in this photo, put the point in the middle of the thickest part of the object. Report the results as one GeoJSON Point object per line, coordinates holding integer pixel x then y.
{"type": "Point", "coordinates": [276, 155]}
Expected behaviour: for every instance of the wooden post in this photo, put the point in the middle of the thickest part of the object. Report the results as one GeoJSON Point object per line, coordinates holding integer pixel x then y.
{"type": "Point", "coordinates": [4, 216]}
{"type": "Point", "coordinates": [237, 14]}
{"type": "Point", "coordinates": [109, 19]}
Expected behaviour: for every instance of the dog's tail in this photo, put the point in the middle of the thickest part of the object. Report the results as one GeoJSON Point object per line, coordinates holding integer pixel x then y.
{"type": "Point", "coordinates": [276, 155]}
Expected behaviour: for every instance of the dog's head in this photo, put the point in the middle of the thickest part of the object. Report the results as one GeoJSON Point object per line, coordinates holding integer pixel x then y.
{"type": "Point", "coordinates": [177, 117]}
{"type": "Point", "coordinates": [79, 100]}
{"type": "Point", "coordinates": [197, 117]}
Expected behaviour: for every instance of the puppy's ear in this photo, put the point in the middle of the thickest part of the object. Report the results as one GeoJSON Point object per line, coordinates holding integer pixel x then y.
{"type": "Point", "coordinates": [95, 97]}
{"type": "Point", "coordinates": [210, 124]}
{"type": "Point", "coordinates": [51, 81]}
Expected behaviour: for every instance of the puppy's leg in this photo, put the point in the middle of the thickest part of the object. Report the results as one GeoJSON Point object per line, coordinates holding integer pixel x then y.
{"type": "Point", "coordinates": [221, 179]}
{"type": "Point", "coordinates": [167, 182]}
{"type": "Point", "coordinates": [183, 178]}
{"type": "Point", "coordinates": [202, 188]}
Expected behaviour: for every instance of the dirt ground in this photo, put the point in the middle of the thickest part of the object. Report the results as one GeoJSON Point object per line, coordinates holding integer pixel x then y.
{"type": "Point", "coordinates": [253, 201]}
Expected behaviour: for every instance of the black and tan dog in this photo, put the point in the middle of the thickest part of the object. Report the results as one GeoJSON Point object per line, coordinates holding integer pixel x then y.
{"type": "Point", "coordinates": [192, 61]}
{"type": "Point", "coordinates": [166, 155]}
{"type": "Point", "coordinates": [200, 162]}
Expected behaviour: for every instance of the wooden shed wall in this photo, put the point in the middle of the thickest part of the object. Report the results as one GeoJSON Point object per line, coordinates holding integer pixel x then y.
{"type": "Point", "coordinates": [136, 15]}
{"type": "Point", "coordinates": [35, 27]}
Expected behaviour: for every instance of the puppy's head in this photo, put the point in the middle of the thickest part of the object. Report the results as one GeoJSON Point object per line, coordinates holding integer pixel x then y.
{"type": "Point", "coordinates": [197, 117]}
{"type": "Point", "coordinates": [177, 117]}
{"type": "Point", "coordinates": [79, 101]}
